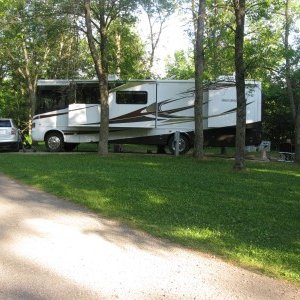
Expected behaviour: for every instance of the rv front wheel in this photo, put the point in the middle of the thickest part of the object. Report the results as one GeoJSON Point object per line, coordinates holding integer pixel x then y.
{"type": "Point", "coordinates": [184, 144]}
{"type": "Point", "coordinates": [54, 142]}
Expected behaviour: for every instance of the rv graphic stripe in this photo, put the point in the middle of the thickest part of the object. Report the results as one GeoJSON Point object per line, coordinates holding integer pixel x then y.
{"type": "Point", "coordinates": [52, 115]}
{"type": "Point", "coordinates": [142, 115]}
{"type": "Point", "coordinates": [148, 113]}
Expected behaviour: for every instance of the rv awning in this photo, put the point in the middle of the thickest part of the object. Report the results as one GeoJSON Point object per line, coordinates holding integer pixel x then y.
{"type": "Point", "coordinates": [53, 82]}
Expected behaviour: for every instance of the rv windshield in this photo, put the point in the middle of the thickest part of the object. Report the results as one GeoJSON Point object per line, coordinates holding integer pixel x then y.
{"type": "Point", "coordinates": [58, 94]}
{"type": "Point", "coordinates": [51, 98]}
{"type": "Point", "coordinates": [54, 97]}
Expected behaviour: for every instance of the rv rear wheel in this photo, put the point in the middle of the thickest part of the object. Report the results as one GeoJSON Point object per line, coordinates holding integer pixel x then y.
{"type": "Point", "coordinates": [184, 144]}
{"type": "Point", "coordinates": [54, 142]}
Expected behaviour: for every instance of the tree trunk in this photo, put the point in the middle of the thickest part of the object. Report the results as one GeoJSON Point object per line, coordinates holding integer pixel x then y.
{"type": "Point", "coordinates": [288, 62]}
{"type": "Point", "coordinates": [102, 74]}
{"type": "Point", "coordinates": [32, 96]}
{"type": "Point", "coordinates": [103, 79]}
{"type": "Point", "coordinates": [239, 8]}
{"type": "Point", "coordinates": [154, 38]}
{"type": "Point", "coordinates": [297, 135]}
{"type": "Point", "coordinates": [295, 111]}
{"type": "Point", "coordinates": [118, 52]}
{"type": "Point", "coordinates": [31, 82]}
{"type": "Point", "coordinates": [199, 70]}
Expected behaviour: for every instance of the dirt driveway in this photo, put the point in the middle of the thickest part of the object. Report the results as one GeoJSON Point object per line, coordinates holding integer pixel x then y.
{"type": "Point", "coordinates": [53, 249]}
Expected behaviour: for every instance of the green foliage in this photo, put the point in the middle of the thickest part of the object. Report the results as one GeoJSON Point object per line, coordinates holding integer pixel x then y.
{"type": "Point", "coordinates": [277, 119]}
{"type": "Point", "coordinates": [33, 25]}
{"type": "Point", "coordinates": [158, 7]}
{"type": "Point", "coordinates": [219, 45]}
{"type": "Point", "coordinates": [34, 41]}
{"type": "Point", "coordinates": [182, 67]}
{"type": "Point", "coordinates": [251, 218]}
{"type": "Point", "coordinates": [132, 52]}
{"type": "Point", "coordinates": [12, 103]}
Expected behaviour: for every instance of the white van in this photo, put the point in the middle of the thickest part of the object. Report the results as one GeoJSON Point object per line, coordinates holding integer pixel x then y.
{"type": "Point", "coordinates": [9, 135]}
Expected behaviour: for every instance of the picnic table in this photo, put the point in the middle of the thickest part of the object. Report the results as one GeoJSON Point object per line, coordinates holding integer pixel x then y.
{"type": "Point", "coordinates": [287, 152]}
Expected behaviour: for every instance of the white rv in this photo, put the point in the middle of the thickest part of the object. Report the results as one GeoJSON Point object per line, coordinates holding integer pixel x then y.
{"type": "Point", "coordinates": [141, 112]}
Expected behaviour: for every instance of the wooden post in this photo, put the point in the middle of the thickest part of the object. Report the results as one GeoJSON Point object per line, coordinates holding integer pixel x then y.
{"type": "Point", "coordinates": [177, 138]}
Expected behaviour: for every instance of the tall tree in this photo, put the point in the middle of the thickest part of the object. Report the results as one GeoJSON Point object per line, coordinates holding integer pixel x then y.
{"type": "Point", "coordinates": [101, 67]}
{"type": "Point", "coordinates": [199, 21]}
{"type": "Point", "coordinates": [239, 10]}
{"type": "Point", "coordinates": [99, 15]}
{"type": "Point", "coordinates": [294, 103]}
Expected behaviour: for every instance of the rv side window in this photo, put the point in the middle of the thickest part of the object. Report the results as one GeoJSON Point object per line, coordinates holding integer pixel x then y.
{"type": "Point", "coordinates": [131, 97]}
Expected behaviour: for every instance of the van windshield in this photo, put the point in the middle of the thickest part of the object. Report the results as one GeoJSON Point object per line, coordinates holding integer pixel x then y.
{"type": "Point", "coordinates": [5, 123]}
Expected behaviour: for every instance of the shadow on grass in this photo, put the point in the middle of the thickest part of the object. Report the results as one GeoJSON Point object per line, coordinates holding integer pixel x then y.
{"type": "Point", "coordinates": [251, 217]}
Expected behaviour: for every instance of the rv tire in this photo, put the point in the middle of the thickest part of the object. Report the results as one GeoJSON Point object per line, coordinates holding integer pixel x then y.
{"type": "Point", "coordinates": [184, 144]}
{"type": "Point", "coordinates": [54, 141]}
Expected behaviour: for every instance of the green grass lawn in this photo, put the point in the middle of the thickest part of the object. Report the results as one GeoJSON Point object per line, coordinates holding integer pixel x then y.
{"type": "Point", "coordinates": [250, 218]}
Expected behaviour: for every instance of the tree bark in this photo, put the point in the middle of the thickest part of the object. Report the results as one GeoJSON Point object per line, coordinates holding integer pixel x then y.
{"type": "Point", "coordinates": [103, 79]}
{"type": "Point", "coordinates": [295, 110]}
{"type": "Point", "coordinates": [297, 136]}
{"type": "Point", "coordinates": [288, 62]}
{"type": "Point", "coordinates": [239, 8]}
{"type": "Point", "coordinates": [102, 74]}
{"type": "Point", "coordinates": [31, 81]}
{"type": "Point", "coordinates": [199, 70]}
{"type": "Point", "coordinates": [118, 52]}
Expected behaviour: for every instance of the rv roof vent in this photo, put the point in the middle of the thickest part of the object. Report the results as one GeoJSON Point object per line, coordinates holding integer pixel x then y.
{"type": "Point", "coordinates": [230, 78]}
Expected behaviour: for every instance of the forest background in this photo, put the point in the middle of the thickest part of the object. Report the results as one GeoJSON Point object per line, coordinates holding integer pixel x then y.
{"type": "Point", "coordinates": [47, 39]}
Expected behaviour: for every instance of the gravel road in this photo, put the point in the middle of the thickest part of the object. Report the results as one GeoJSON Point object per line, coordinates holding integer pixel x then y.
{"type": "Point", "coordinates": [53, 249]}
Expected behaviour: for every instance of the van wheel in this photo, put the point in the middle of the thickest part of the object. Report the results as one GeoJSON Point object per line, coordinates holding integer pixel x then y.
{"type": "Point", "coordinates": [16, 147]}
{"type": "Point", "coordinates": [184, 144]}
{"type": "Point", "coordinates": [54, 142]}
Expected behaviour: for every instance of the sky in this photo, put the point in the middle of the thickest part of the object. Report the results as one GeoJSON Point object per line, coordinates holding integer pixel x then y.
{"type": "Point", "coordinates": [173, 38]}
